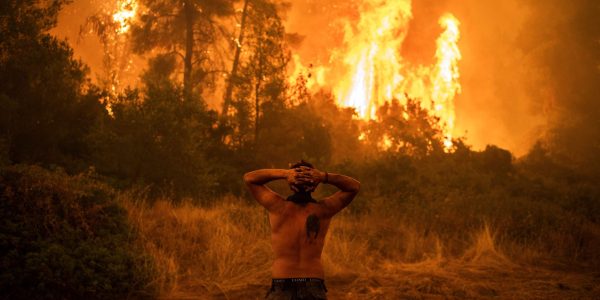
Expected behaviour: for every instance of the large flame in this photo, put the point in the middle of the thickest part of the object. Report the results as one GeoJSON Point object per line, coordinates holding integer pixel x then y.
{"type": "Point", "coordinates": [445, 78]}
{"type": "Point", "coordinates": [374, 72]}
{"type": "Point", "coordinates": [372, 56]}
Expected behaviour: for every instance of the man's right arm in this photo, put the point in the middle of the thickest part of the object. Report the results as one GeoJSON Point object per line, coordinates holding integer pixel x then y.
{"type": "Point", "coordinates": [256, 180]}
{"type": "Point", "coordinates": [348, 186]}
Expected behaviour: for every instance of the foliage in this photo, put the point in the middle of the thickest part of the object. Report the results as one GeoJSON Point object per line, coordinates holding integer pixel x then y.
{"type": "Point", "coordinates": [186, 28]}
{"type": "Point", "coordinates": [46, 105]}
{"type": "Point", "coordinates": [158, 139]}
{"type": "Point", "coordinates": [23, 19]}
{"type": "Point", "coordinates": [292, 133]}
{"type": "Point", "coordinates": [262, 77]}
{"type": "Point", "coordinates": [65, 237]}
{"type": "Point", "coordinates": [407, 129]}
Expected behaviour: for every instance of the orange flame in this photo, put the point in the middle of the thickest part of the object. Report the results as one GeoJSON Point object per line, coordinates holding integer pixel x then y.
{"type": "Point", "coordinates": [374, 72]}
{"type": "Point", "coordinates": [445, 78]}
{"type": "Point", "coordinates": [372, 58]}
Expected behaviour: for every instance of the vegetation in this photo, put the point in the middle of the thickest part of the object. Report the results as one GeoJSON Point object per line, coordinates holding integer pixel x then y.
{"type": "Point", "coordinates": [139, 194]}
{"type": "Point", "coordinates": [471, 248]}
{"type": "Point", "coordinates": [66, 237]}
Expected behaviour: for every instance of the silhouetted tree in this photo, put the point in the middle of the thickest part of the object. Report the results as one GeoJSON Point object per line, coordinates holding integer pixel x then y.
{"type": "Point", "coordinates": [158, 139]}
{"type": "Point", "coordinates": [48, 105]}
{"type": "Point", "coordinates": [262, 74]}
{"type": "Point", "coordinates": [405, 128]}
{"type": "Point", "coordinates": [186, 28]}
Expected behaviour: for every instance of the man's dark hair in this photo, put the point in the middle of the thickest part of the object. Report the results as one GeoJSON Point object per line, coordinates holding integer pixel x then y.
{"type": "Point", "coordinates": [301, 163]}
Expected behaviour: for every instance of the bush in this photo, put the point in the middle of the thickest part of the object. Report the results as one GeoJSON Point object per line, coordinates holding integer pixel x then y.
{"type": "Point", "coordinates": [65, 237]}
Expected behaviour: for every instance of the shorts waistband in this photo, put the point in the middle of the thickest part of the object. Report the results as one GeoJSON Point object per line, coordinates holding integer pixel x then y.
{"type": "Point", "coordinates": [297, 283]}
{"type": "Point", "coordinates": [294, 280]}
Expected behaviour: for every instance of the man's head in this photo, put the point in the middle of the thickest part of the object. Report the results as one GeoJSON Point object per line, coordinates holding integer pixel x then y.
{"type": "Point", "coordinates": [303, 187]}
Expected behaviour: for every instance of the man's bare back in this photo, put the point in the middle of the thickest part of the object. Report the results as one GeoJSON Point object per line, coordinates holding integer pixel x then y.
{"type": "Point", "coordinates": [298, 236]}
{"type": "Point", "coordinates": [299, 224]}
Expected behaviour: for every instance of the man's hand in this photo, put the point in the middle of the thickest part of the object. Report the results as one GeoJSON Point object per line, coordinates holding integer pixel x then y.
{"type": "Point", "coordinates": [310, 177]}
{"type": "Point", "coordinates": [292, 178]}
{"type": "Point", "coordinates": [300, 181]}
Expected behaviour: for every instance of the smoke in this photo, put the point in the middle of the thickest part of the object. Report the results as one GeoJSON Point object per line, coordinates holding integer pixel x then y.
{"type": "Point", "coordinates": [564, 41]}
{"type": "Point", "coordinates": [87, 47]}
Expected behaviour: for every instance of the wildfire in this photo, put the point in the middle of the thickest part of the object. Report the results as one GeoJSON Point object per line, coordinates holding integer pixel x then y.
{"type": "Point", "coordinates": [445, 79]}
{"type": "Point", "coordinates": [371, 70]}
{"type": "Point", "coordinates": [126, 11]}
{"type": "Point", "coordinates": [373, 61]}
{"type": "Point", "coordinates": [374, 72]}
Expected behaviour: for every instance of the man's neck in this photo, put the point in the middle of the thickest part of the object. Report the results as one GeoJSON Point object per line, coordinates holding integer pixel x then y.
{"type": "Point", "coordinates": [301, 198]}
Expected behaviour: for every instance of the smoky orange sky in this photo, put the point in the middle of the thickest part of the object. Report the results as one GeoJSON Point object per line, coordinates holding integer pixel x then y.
{"type": "Point", "coordinates": [507, 95]}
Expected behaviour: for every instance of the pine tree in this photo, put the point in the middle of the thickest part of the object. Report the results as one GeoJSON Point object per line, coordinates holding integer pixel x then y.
{"type": "Point", "coordinates": [186, 28]}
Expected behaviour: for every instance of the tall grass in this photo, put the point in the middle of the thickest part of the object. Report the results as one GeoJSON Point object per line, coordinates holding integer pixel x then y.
{"type": "Point", "coordinates": [224, 249]}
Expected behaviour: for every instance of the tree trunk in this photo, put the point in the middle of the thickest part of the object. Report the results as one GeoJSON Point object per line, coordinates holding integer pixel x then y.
{"type": "Point", "coordinates": [236, 60]}
{"type": "Point", "coordinates": [189, 49]}
{"type": "Point", "coordinates": [259, 75]}
{"type": "Point", "coordinates": [256, 109]}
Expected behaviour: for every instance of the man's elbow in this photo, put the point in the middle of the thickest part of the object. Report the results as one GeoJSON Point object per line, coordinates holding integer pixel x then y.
{"type": "Point", "coordinates": [247, 178]}
{"type": "Point", "coordinates": [355, 188]}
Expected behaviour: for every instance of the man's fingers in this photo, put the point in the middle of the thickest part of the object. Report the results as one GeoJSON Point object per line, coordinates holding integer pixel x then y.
{"type": "Point", "coordinates": [302, 180]}
{"type": "Point", "coordinates": [306, 182]}
{"type": "Point", "coordinates": [306, 173]}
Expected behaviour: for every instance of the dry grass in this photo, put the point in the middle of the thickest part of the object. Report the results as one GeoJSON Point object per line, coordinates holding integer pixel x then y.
{"type": "Point", "coordinates": [223, 252]}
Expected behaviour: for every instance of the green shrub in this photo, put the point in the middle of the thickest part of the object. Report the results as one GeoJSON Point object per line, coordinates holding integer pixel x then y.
{"type": "Point", "coordinates": [65, 237]}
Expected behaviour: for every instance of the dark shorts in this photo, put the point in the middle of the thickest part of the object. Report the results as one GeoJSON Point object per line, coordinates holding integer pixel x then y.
{"type": "Point", "coordinates": [297, 289]}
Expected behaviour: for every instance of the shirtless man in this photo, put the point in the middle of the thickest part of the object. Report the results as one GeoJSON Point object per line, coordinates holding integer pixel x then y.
{"type": "Point", "coordinates": [299, 225]}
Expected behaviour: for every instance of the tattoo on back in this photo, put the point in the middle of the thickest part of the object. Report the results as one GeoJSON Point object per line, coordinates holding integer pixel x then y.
{"type": "Point", "coordinates": [312, 226]}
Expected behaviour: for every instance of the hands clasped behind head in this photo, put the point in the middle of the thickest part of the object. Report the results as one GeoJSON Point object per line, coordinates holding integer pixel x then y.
{"type": "Point", "coordinates": [303, 179]}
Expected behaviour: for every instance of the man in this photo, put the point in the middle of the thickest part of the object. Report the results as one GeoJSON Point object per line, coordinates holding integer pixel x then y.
{"type": "Point", "coordinates": [299, 225]}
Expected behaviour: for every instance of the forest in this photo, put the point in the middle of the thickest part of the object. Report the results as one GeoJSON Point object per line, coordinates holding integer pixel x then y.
{"type": "Point", "coordinates": [114, 191]}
